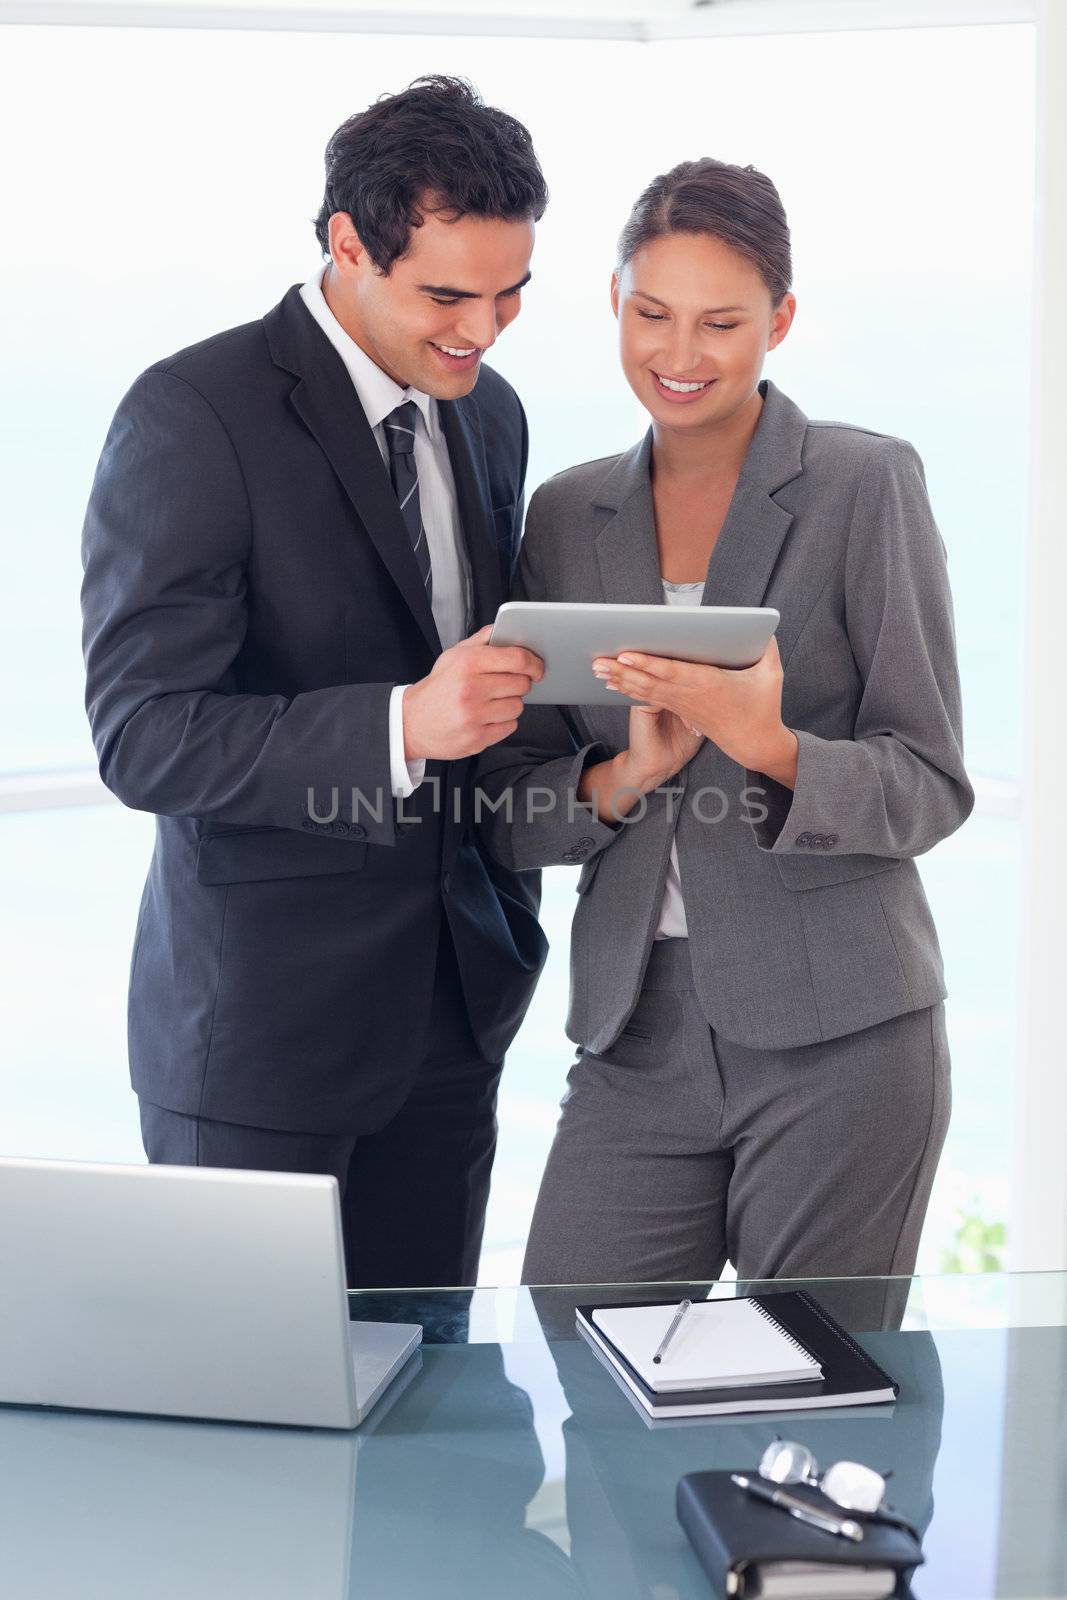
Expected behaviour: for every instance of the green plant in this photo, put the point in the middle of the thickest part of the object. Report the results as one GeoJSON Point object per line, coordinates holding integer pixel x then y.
{"type": "Point", "coordinates": [978, 1245]}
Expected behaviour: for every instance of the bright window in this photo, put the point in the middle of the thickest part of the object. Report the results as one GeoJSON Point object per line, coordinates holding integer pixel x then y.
{"type": "Point", "coordinates": [157, 196]}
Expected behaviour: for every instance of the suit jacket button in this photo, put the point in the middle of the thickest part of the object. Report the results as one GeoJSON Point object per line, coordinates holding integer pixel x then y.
{"type": "Point", "coordinates": [584, 844]}
{"type": "Point", "coordinates": [357, 830]}
{"type": "Point", "coordinates": [831, 840]}
{"type": "Point", "coordinates": [803, 839]}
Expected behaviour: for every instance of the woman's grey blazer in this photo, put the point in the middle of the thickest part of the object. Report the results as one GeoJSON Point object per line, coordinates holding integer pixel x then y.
{"type": "Point", "coordinates": [807, 917]}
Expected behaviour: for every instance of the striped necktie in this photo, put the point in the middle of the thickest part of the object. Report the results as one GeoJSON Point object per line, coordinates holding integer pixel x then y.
{"type": "Point", "coordinates": [400, 433]}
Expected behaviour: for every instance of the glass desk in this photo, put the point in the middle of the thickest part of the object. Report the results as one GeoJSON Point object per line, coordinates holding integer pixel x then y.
{"type": "Point", "coordinates": [506, 1464]}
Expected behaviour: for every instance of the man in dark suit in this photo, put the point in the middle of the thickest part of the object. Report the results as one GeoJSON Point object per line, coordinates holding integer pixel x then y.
{"type": "Point", "coordinates": [297, 533]}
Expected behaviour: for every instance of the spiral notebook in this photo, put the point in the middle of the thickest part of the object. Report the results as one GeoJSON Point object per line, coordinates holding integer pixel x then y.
{"type": "Point", "coordinates": [719, 1345]}
{"type": "Point", "coordinates": [779, 1351]}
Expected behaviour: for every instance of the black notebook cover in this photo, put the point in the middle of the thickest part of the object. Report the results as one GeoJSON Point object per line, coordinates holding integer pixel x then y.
{"type": "Point", "coordinates": [731, 1531]}
{"type": "Point", "coordinates": [847, 1369]}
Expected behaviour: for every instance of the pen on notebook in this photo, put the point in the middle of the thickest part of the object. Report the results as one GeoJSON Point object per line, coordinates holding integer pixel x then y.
{"type": "Point", "coordinates": [676, 1322]}
{"type": "Point", "coordinates": [845, 1526]}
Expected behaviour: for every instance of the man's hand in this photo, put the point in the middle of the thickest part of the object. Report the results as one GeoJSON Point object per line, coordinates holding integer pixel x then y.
{"type": "Point", "coordinates": [471, 699]}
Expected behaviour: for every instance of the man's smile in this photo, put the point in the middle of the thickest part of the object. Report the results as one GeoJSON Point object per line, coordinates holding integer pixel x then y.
{"type": "Point", "coordinates": [458, 358]}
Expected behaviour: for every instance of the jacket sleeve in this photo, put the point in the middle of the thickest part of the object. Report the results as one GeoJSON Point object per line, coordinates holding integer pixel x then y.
{"type": "Point", "coordinates": [166, 549]}
{"type": "Point", "coordinates": [898, 785]}
{"type": "Point", "coordinates": [526, 794]}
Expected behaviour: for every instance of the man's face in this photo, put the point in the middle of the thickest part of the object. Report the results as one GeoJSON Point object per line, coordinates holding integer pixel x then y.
{"type": "Point", "coordinates": [429, 321]}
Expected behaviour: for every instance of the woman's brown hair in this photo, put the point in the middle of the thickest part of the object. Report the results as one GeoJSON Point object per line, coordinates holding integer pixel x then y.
{"type": "Point", "coordinates": [738, 205]}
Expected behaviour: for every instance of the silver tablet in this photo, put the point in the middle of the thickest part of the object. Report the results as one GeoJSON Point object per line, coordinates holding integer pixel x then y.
{"type": "Point", "coordinates": [568, 636]}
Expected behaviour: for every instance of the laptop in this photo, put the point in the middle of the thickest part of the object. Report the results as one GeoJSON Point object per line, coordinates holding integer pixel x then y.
{"type": "Point", "coordinates": [198, 1292]}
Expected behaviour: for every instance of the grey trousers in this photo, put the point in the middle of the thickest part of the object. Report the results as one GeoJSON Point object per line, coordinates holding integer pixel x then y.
{"type": "Point", "coordinates": [678, 1150]}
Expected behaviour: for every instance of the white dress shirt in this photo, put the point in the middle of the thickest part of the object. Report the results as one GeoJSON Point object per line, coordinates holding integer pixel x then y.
{"type": "Point", "coordinates": [672, 923]}
{"type": "Point", "coordinates": [450, 602]}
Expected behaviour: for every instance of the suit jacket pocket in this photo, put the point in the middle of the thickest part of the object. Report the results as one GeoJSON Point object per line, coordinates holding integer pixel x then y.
{"type": "Point", "coordinates": [251, 854]}
{"type": "Point", "coordinates": [817, 871]}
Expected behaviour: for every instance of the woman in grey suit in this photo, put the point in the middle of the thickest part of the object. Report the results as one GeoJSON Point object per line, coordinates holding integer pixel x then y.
{"type": "Point", "coordinates": [757, 989]}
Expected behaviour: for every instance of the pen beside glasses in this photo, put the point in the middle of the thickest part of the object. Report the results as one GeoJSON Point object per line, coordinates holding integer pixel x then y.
{"type": "Point", "coordinates": [849, 1484]}
{"type": "Point", "coordinates": [845, 1526]}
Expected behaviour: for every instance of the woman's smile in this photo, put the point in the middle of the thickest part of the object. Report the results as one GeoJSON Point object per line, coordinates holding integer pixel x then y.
{"type": "Point", "coordinates": [681, 390]}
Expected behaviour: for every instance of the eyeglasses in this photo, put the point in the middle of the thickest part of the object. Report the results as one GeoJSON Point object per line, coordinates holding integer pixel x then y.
{"type": "Point", "coordinates": [849, 1484]}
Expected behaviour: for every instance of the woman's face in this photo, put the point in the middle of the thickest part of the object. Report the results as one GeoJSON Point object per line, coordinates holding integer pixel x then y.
{"type": "Point", "coordinates": [695, 322]}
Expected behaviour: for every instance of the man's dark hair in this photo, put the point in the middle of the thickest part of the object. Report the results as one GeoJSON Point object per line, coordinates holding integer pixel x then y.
{"type": "Point", "coordinates": [434, 148]}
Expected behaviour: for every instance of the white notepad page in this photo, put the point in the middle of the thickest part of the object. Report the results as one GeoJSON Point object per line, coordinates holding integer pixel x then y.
{"type": "Point", "coordinates": [720, 1344]}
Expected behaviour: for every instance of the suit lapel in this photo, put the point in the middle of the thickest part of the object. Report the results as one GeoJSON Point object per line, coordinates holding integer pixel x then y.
{"type": "Point", "coordinates": [466, 451]}
{"type": "Point", "coordinates": [746, 550]}
{"type": "Point", "coordinates": [753, 531]}
{"type": "Point", "coordinates": [326, 402]}
{"type": "Point", "coordinates": [626, 544]}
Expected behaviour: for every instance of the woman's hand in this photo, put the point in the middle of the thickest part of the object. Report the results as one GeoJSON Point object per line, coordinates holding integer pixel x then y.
{"type": "Point", "coordinates": [659, 748]}
{"type": "Point", "coordinates": [660, 745]}
{"type": "Point", "coordinates": [739, 709]}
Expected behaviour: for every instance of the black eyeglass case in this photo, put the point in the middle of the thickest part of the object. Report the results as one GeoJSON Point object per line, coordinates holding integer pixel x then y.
{"type": "Point", "coordinates": [732, 1532]}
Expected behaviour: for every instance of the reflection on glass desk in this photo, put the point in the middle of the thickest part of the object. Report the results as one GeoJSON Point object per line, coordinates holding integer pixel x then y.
{"type": "Point", "coordinates": [507, 1464]}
